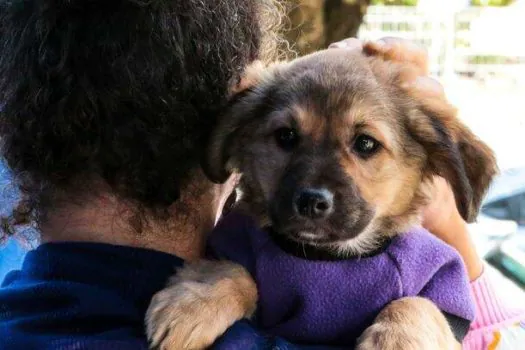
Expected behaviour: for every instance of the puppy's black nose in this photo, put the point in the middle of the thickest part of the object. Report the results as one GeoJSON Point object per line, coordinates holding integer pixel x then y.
{"type": "Point", "coordinates": [314, 203]}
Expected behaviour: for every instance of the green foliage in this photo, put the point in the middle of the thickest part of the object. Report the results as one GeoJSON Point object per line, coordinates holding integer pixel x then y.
{"type": "Point", "coordinates": [394, 2]}
{"type": "Point", "coordinates": [414, 2]}
{"type": "Point", "coordinates": [493, 59]}
{"type": "Point", "coordinates": [398, 27]}
{"type": "Point", "coordinates": [490, 2]}
{"type": "Point", "coordinates": [463, 25]}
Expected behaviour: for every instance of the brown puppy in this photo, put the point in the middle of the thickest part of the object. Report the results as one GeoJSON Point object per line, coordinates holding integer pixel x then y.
{"type": "Point", "coordinates": [336, 154]}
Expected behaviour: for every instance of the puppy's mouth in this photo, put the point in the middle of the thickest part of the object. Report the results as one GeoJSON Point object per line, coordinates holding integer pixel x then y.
{"type": "Point", "coordinates": [304, 245]}
{"type": "Point", "coordinates": [310, 238]}
{"type": "Point", "coordinates": [317, 235]}
{"type": "Point", "coordinates": [313, 246]}
{"type": "Point", "coordinates": [322, 234]}
{"type": "Point", "coordinates": [305, 232]}
{"type": "Point", "coordinates": [321, 217]}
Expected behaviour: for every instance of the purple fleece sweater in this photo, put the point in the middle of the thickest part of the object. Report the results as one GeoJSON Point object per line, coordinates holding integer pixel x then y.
{"type": "Point", "coordinates": [332, 302]}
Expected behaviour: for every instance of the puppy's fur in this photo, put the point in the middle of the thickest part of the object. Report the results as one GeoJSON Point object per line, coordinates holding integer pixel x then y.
{"type": "Point", "coordinates": [305, 125]}
{"type": "Point", "coordinates": [331, 98]}
{"type": "Point", "coordinates": [204, 299]}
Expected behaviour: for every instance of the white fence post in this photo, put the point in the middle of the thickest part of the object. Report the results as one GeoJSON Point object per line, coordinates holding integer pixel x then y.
{"type": "Point", "coordinates": [449, 39]}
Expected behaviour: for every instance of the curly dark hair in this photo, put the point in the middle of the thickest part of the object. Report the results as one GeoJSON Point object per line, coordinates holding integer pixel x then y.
{"type": "Point", "coordinates": [123, 90]}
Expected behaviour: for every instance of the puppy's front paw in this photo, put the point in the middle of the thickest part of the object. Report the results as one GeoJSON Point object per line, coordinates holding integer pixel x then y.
{"type": "Point", "coordinates": [411, 323]}
{"type": "Point", "coordinates": [202, 300]}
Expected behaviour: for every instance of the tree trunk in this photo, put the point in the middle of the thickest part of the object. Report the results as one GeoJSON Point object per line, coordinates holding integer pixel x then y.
{"type": "Point", "coordinates": [314, 24]}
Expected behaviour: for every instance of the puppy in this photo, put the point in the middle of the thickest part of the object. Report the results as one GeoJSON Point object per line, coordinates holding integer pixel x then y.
{"type": "Point", "coordinates": [336, 156]}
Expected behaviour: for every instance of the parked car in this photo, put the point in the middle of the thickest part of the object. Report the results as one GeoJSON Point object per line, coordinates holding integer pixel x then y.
{"type": "Point", "coordinates": [489, 234]}
{"type": "Point", "coordinates": [510, 260]}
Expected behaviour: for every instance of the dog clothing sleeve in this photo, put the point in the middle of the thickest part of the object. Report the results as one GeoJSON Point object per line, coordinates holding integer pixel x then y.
{"type": "Point", "coordinates": [429, 268]}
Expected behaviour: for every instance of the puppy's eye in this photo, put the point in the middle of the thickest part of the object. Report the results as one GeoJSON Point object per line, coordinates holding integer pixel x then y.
{"type": "Point", "coordinates": [366, 146]}
{"type": "Point", "coordinates": [286, 138]}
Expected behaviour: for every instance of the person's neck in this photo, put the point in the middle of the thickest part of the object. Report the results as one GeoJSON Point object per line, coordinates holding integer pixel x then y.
{"type": "Point", "coordinates": [105, 219]}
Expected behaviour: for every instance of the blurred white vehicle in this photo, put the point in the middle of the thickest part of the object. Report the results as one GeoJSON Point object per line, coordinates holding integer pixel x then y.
{"type": "Point", "coordinates": [505, 202]}
{"type": "Point", "coordinates": [489, 233]}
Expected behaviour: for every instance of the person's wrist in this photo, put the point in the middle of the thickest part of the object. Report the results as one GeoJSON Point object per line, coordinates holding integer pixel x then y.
{"type": "Point", "coordinates": [458, 236]}
{"type": "Point", "coordinates": [447, 227]}
{"type": "Point", "coordinates": [453, 230]}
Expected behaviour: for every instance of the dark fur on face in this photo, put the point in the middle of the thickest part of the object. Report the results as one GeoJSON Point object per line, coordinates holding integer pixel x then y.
{"type": "Point", "coordinates": [335, 152]}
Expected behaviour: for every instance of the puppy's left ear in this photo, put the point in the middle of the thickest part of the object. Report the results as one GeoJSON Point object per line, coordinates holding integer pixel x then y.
{"type": "Point", "coordinates": [453, 151]}
{"type": "Point", "coordinates": [217, 161]}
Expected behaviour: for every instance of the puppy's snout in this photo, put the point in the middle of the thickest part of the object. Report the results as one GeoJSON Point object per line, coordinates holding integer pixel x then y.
{"type": "Point", "coordinates": [314, 203]}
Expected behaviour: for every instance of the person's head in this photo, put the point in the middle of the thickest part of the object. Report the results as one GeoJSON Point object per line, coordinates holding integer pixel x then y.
{"type": "Point", "coordinates": [120, 95]}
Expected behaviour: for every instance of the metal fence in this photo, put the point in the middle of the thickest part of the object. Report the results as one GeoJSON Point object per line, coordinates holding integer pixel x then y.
{"type": "Point", "coordinates": [474, 42]}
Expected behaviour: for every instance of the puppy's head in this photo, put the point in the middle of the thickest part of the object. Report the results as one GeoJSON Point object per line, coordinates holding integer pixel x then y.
{"type": "Point", "coordinates": [335, 152]}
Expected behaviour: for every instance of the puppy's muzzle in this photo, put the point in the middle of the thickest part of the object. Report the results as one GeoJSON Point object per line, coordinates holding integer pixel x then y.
{"type": "Point", "coordinates": [314, 203]}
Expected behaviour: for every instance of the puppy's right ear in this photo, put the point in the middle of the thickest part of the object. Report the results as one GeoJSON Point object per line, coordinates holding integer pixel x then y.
{"type": "Point", "coordinates": [454, 152]}
{"type": "Point", "coordinates": [218, 164]}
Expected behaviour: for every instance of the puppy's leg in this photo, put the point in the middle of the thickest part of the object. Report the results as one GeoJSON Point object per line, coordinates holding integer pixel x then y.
{"type": "Point", "coordinates": [199, 304]}
{"type": "Point", "coordinates": [411, 323]}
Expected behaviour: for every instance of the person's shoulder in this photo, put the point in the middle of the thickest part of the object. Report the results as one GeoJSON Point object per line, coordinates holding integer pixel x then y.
{"type": "Point", "coordinates": [50, 314]}
{"type": "Point", "coordinates": [92, 294]}
{"type": "Point", "coordinates": [39, 313]}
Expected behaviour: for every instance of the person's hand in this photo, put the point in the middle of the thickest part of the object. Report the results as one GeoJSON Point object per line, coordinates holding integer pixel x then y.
{"type": "Point", "coordinates": [398, 50]}
{"type": "Point", "coordinates": [441, 214]}
{"type": "Point", "coordinates": [441, 217]}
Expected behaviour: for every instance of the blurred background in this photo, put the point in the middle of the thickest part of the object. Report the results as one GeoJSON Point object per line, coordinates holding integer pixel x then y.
{"type": "Point", "coordinates": [477, 53]}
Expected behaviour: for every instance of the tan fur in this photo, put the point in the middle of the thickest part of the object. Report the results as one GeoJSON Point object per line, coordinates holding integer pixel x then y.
{"type": "Point", "coordinates": [314, 127]}
{"type": "Point", "coordinates": [200, 302]}
{"type": "Point", "coordinates": [421, 137]}
{"type": "Point", "coordinates": [252, 75]}
{"type": "Point", "coordinates": [411, 323]}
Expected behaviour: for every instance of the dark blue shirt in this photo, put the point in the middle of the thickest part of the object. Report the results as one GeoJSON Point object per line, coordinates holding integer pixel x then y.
{"type": "Point", "coordinates": [94, 296]}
